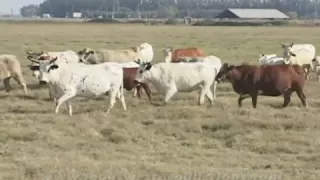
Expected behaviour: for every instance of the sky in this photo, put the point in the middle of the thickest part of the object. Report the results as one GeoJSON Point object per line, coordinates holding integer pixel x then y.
{"type": "Point", "coordinates": [6, 5]}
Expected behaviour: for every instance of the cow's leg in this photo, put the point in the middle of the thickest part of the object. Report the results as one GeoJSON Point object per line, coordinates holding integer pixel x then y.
{"type": "Point", "coordinates": [22, 82]}
{"type": "Point", "coordinates": [203, 92]}
{"type": "Point", "coordinates": [209, 96]}
{"type": "Point", "coordinates": [112, 99]}
{"type": "Point", "coordinates": [254, 98]}
{"type": "Point", "coordinates": [241, 98]}
{"type": "Point", "coordinates": [7, 85]}
{"type": "Point", "coordinates": [170, 92]}
{"type": "Point", "coordinates": [302, 97]}
{"type": "Point", "coordinates": [65, 97]}
{"type": "Point", "coordinates": [121, 98]}
{"type": "Point", "coordinates": [69, 107]}
{"type": "Point", "coordinates": [287, 97]}
{"type": "Point", "coordinates": [147, 90]}
{"type": "Point", "coordinates": [137, 90]}
{"type": "Point", "coordinates": [307, 71]}
{"type": "Point", "coordinates": [214, 89]}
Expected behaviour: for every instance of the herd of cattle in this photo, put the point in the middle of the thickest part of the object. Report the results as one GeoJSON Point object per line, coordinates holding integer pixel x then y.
{"type": "Point", "coordinates": [91, 73]}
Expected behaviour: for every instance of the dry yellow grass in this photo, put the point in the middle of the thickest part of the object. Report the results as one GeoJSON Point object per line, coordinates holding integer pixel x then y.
{"type": "Point", "coordinates": [163, 141]}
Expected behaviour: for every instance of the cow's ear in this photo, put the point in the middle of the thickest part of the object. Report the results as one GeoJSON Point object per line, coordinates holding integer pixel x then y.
{"type": "Point", "coordinates": [54, 66]}
{"type": "Point", "coordinates": [135, 49]}
{"type": "Point", "coordinates": [148, 67]}
{"type": "Point", "coordinates": [34, 68]}
{"type": "Point", "coordinates": [225, 65]}
{"type": "Point", "coordinates": [292, 54]}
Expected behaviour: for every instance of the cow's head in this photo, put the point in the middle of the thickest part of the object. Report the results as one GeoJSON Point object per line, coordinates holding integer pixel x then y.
{"type": "Point", "coordinates": [36, 58]}
{"type": "Point", "coordinates": [142, 73]}
{"type": "Point", "coordinates": [223, 74]}
{"type": "Point", "coordinates": [315, 63]}
{"type": "Point", "coordinates": [167, 52]}
{"type": "Point", "coordinates": [45, 67]}
{"type": "Point", "coordinates": [85, 54]}
{"type": "Point", "coordinates": [287, 52]}
{"type": "Point", "coordinates": [35, 70]}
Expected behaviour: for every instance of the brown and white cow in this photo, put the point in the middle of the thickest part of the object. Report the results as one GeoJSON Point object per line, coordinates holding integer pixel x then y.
{"type": "Point", "coordinates": [251, 81]}
{"type": "Point", "coordinates": [173, 55]}
{"type": "Point", "coordinates": [129, 82]}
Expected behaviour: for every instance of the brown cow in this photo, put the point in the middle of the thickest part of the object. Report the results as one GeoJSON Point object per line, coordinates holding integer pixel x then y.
{"type": "Point", "coordinates": [129, 82]}
{"type": "Point", "coordinates": [251, 81]}
{"type": "Point", "coordinates": [174, 55]}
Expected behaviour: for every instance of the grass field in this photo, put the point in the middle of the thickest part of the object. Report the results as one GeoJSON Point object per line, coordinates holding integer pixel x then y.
{"type": "Point", "coordinates": [181, 138]}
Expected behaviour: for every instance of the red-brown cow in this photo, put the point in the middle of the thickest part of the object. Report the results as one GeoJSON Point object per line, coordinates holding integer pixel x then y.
{"type": "Point", "coordinates": [174, 55]}
{"type": "Point", "coordinates": [129, 75]}
{"type": "Point", "coordinates": [251, 81]}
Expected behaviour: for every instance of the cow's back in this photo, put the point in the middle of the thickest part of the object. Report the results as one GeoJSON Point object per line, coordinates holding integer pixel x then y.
{"type": "Point", "coordinates": [274, 80]}
{"type": "Point", "coordinates": [305, 53]}
{"type": "Point", "coordinates": [117, 55]}
{"type": "Point", "coordinates": [90, 80]}
{"type": "Point", "coordinates": [190, 52]}
{"type": "Point", "coordinates": [185, 75]}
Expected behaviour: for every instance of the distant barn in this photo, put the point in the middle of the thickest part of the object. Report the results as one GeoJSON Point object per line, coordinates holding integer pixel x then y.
{"type": "Point", "coordinates": [252, 14]}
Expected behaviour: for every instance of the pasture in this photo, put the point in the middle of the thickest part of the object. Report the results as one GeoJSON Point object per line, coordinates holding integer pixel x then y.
{"type": "Point", "coordinates": [163, 141]}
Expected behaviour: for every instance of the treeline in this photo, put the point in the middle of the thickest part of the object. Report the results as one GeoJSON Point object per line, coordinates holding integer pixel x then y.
{"type": "Point", "coordinates": [165, 8]}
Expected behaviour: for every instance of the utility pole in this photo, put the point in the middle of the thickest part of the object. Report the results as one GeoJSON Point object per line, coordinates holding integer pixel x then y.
{"type": "Point", "coordinates": [188, 9]}
{"type": "Point", "coordinates": [113, 8]}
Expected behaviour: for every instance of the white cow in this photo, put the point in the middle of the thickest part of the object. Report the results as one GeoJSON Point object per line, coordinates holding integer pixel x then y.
{"type": "Point", "coordinates": [77, 79]}
{"type": "Point", "coordinates": [270, 59]}
{"type": "Point", "coordinates": [67, 56]}
{"type": "Point", "coordinates": [301, 54]}
{"type": "Point", "coordinates": [169, 78]}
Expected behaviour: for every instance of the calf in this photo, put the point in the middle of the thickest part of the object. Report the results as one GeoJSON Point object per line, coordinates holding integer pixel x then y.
{"type": "Point", "coordinates": [169, 78]}
{"type": "Point", "coordinates": [70, 80]}
{"type": "Point", "coordinates": [129, 83]}
{"type": "Point", "coordinates": [251, 81]}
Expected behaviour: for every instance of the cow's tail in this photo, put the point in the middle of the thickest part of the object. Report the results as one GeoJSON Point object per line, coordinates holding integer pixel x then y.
{"type": "Point", "coordinates": [215, 82]}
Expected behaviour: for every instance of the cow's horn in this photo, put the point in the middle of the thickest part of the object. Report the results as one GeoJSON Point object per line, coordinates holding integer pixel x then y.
{"type": "Point", "coordinates": [53, 60]}
{"type": "Point", "coordinates": [28, 52]}
{"type": "Point", "coordinates": [32, 59]}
